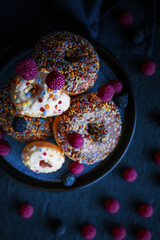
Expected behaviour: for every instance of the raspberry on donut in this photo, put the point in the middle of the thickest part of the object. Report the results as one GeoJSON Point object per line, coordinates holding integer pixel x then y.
{"type": "Point", "coordinates": [95, 126]}
{"type": "Point", "coordinates": [36, 98]}
{"type": "Point", "coordinates": [43, 157]}
{"type": "Point", "coordinates": [27, 69]}
{"type": "Point", "coordinates": [72, 55]}
{"type": "Point", "coordinates": [55, 80]}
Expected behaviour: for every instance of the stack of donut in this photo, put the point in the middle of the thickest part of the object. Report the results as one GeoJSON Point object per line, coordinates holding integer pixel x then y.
{"type": "Point", "coordinates": [86, 129]}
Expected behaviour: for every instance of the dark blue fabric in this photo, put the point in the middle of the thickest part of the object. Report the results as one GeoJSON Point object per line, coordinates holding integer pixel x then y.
{"type": "Point", "coordinates": [98, 20]}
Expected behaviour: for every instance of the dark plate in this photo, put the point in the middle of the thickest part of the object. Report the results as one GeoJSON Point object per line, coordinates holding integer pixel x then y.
{"type": "Point", "coordinates": [110, 162]}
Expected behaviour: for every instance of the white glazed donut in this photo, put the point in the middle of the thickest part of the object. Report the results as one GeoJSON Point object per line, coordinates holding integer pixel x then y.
{"type": "Point", "coordinates": [43, 157]}
{"type": "Point", "coordinates": [34, 99]}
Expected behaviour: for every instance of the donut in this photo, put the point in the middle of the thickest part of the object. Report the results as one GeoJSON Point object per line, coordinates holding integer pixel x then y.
{"type": "Point", "coordinates": [33, 98]}
{"type": "Point", "coordinates": [70, 54]}
{"type": "Point", "coordinates": [43, 157]}
{"type": "Point", "coordinates": [89, 130]}
{"type": "Point", "coordinates": [11, 121]}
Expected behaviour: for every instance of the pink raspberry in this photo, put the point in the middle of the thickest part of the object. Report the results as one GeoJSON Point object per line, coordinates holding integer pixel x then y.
{"type": "Point", "coordinates": [76, 168]}
{"type": "Point", "coordinates": [76, 140]}
{"type": "Point", "coordinates": [148, 68]}
{"type": "Point", "coordinates": [129, 174]}
{"type": "Point", "coordinates": [157, 158]}
{"type": "Point", "coordinates": [112, 205]}
{"type": "Point", "coordinates": [145, 210]}
{"type": "Point", "coordinates": [117, 85]}
{"type": "Point", "coordinates": [88, 231]}
{"type": "Point", "coordinates": [119, 232]}
{"type": "Point", "coordinates": [106, 92]}
{"type": "Point", "coordinates": [26, 210]}
{"type": "Point", "coordinates": [27, 69]}
{"type": "Point", "coordinates": [2, 133]}
{"type": "Point", "coordinates": [4, 148]}
{"type": "Point", "coordinates": [143, 234]}
{"type": "Point", "coordinates": [55, 80]}
{"type": "Point", "coordinates": [126, 19]}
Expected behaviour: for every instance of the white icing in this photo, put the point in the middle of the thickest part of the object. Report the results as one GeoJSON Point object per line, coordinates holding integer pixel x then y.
{"type": "Point", "coordinates": [34, 158]}
{"type": "Point", "coordinates": [28, 103]}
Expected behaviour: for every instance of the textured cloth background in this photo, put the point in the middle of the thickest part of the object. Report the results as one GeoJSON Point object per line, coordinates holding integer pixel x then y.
{"type": "Point", "coordinates": [99, 20]}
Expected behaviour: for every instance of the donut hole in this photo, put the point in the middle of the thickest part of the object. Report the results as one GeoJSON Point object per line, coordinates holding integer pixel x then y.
{"type": "Point", "coordinates": [69, 59]}
{"type": "Point", "coordinates": [97, 132]}
{"type": "Point", "coordinates": [34, 89]}
{"type": "Point", "coordinates": [44, 164]}
{"type": "Point", "coordinates": [71, 56]}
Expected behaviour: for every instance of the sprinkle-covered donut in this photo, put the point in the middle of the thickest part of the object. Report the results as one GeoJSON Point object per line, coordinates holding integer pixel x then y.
{"type": "Point", "coordinates": [72, 55]}
{"type": "Point", "coordinates": [89, 130]}
{"type": "Point", "coordinates": [20, 127]}
{"type": "Point", "coordinates": [43, 157]}
{"type": "Point", "coordinates": [38, 97]}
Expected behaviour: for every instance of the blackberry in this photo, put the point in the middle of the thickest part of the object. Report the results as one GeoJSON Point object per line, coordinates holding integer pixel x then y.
{"type": "Point", "coordinates": [122, 101]}
{"type": "Point", "coordinates": [19, 124]}
{"type": "Point", "coordinates": [68, 179]}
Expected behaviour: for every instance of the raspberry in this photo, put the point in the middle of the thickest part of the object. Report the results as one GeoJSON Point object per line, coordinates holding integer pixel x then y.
{"type": "Point", "coordinates": [27, 69]}
{"type": "Point", "coordinates": [76, 140]}
{"type": "Point", "coordinates": [19, 124]}
{"type": "Point", "coordinates": [106, 92]}
{"type": "Point", "coordinates": [55, 80]}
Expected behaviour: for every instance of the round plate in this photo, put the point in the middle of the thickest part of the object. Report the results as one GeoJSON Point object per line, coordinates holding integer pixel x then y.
{"type": "Point", "coordinates": [104, 167]}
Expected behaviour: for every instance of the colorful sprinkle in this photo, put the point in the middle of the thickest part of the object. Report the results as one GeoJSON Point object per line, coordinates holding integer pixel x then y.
{"type": "Point", "coordinates": [38, 80]}
{"type": "Point", "coordinates": [40, 100]}
{"type": "Point", "coordinates": [47, 106]}
{"type": "Point", "coordinates": [42, 109]}
{"type": "Point", "coordinates": [51, 95]}
{"type": "Point", "coordinates": [28, 94]}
